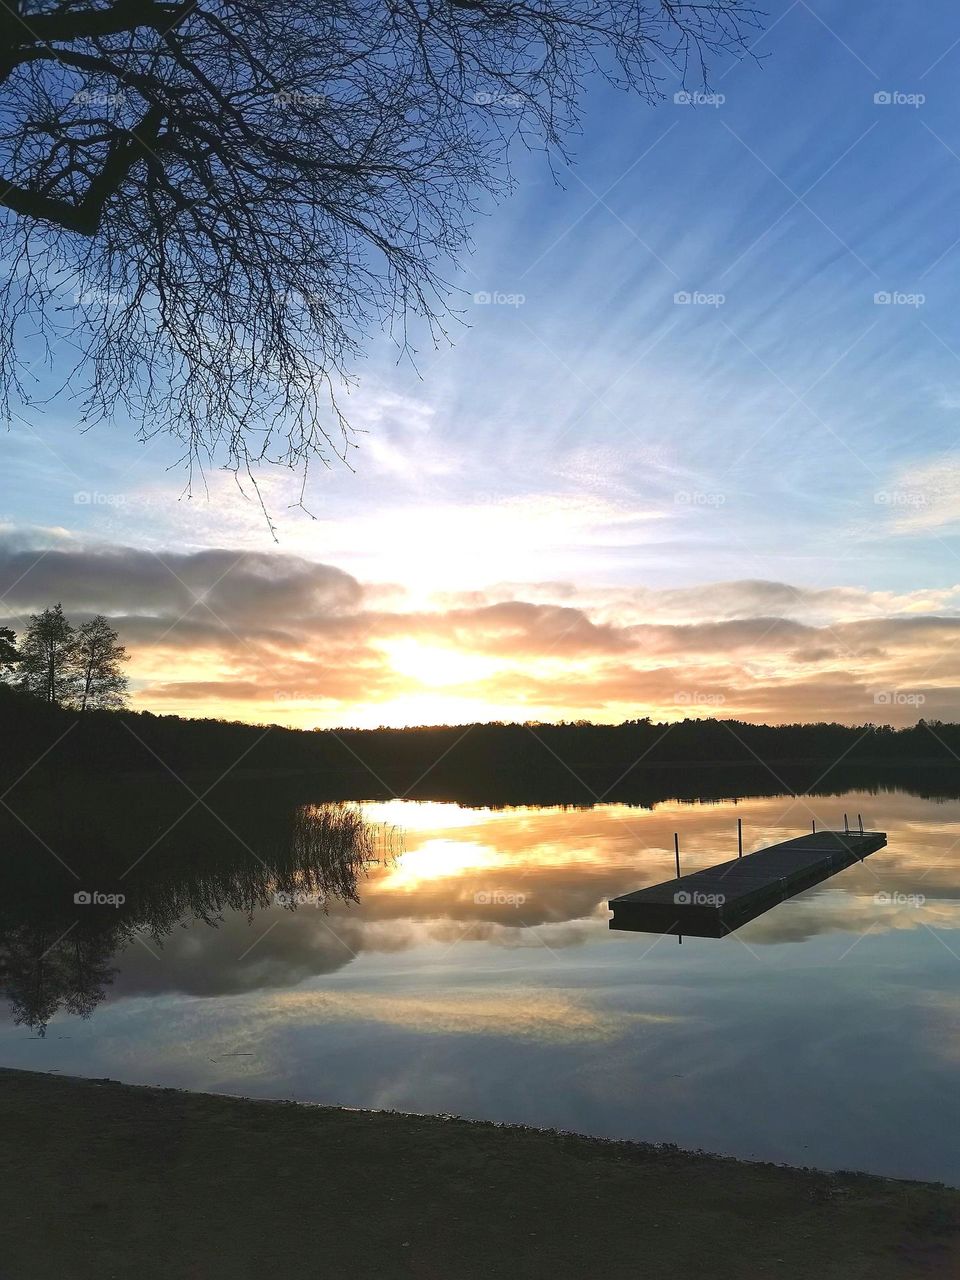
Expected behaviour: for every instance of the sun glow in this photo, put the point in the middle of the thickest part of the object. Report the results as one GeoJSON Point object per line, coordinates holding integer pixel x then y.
{"type": "Point", "coordinates": [424, 815]}
{"type": "Point", "coordinates": [437, 666]}
{"type": "Point", "coordinates": [439, 859]}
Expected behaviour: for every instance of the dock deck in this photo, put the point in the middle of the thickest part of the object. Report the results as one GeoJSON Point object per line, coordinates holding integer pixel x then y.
{"type": "Point", "coordinates": [717, 900]}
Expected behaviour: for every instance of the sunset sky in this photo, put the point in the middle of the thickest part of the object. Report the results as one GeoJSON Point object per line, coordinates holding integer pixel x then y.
{"type": "Point", "coordinates": [600, 502]}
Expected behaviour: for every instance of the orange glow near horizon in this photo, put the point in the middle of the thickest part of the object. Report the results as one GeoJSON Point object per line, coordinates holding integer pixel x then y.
{"type": "Point", "coordinates": [518, 661]}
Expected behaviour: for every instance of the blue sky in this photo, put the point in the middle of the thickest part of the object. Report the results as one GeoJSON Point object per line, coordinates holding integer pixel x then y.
{"type": "Point", "coordinates": [588, 429]}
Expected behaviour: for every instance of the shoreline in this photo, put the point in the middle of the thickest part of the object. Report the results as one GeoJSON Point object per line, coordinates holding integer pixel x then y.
{"type": "Point", "coordinates": [103, 1179]}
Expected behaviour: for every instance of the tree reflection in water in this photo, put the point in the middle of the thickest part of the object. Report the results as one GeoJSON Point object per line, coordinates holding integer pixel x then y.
{"type": "Point", "coordinates": [246, 855]}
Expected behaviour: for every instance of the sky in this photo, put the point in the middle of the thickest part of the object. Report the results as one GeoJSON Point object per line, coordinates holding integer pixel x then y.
{"type": "Point", "coordinates": [692, 451]}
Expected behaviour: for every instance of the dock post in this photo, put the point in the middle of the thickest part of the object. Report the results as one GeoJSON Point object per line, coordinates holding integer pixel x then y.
{"type": "Point", "coordinates": [739, 837]}
{"type": "Point", "coordinates": [676, 851]}
{"type": "Point", "coordinates": [813, 826]}
{"type": "Point", "coordinates": [846, 827]}
{"type": "Point", "coordinates": [860, 820]}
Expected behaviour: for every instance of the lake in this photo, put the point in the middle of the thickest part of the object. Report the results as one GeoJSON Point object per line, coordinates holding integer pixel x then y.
{"type": "Point", "coordinates": [458, 960]}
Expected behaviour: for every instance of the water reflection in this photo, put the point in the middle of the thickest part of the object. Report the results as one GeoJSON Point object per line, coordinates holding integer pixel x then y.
{"type": "Point", "coordinates": [472, 969]}
{"type": "Point", "coordinates": [57, 941]}
{"type": "Point", "coordinates": [508, 878]}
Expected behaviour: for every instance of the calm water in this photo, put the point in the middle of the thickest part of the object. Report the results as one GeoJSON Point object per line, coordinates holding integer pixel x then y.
{"type": "Point", "coordinates": [476, 975]}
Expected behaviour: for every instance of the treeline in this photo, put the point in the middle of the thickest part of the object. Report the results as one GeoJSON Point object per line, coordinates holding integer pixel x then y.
{"type": "Point", "coordinates": [63, 665]}
{"type": "Point", "coordinates": [451, 759]}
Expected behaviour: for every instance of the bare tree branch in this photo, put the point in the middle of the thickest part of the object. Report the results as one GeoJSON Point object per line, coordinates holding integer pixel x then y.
{"type": "Point", "coordinates": [212, 204]}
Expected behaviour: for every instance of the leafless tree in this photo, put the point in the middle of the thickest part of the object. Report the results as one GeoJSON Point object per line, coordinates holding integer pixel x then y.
{"type": "Point", "coordinates": [211, 202]}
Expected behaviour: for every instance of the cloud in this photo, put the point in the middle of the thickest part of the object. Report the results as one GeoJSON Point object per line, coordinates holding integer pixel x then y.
{"type": "Point", "coordinates": [924, 497]}
{"type": "Point", "coordinates": [721, 601]}
{"type": "Point", "coordinates": [237, 588]}
{"type": "Point", "coordinates": [532, 1014]}
{"type": "Point", "coordinates": [277, 637]}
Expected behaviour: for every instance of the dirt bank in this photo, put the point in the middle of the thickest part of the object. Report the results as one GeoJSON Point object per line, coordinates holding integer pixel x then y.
{"type": "Point", "coordinates": [101, 1180]}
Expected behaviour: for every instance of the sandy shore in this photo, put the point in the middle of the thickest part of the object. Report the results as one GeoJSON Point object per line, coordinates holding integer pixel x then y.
{"type": "Point", "coordinates": [102, 1180]}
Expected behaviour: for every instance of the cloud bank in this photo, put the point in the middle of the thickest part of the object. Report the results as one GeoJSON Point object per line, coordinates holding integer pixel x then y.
{"type": "Point", "coordinates": [275, 637]}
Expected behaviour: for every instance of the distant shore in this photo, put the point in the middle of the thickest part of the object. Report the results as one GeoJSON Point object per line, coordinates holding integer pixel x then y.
{"type": "Point", "coordinates": [106, 1180]}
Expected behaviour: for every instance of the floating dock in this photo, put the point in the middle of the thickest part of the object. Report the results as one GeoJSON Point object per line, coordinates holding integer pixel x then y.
{"type": "Point", "coordinates": [717, 900]}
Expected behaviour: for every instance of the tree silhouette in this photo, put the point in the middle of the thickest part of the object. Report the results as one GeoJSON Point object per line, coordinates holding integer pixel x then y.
{"type": "Point", "coordinates": [46, 656]}
{"type": "Point", "coordinates": [78, 667]}
{"type": "Point", "coordinates": [9, 657]}
{"type": "Point", "coordinates": [213, 202]}
{"type": "Point", "coordinates": [97, 660]}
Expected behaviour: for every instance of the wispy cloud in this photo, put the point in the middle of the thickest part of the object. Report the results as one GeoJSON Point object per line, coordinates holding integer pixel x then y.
{"type": "Point", "coordinates": [925, 496]}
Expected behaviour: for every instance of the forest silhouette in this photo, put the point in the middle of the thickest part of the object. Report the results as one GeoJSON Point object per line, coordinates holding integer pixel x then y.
{"type": "Point", "coordinates": [638, 761]}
